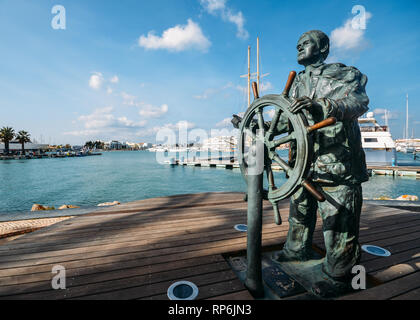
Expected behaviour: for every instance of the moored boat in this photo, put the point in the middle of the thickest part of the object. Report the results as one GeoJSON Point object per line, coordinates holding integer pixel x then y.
{"type": "Point", "coordinates": [377, 142]}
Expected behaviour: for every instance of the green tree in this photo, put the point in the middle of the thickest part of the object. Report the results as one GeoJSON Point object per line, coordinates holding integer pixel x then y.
{"type": "Point", "coordinates": [99, 144]}
{"type": "Point", "coordinates": [23, 137]}
{"type": "Point", "coordinates": [6, 135]}
{"type": "Point", "coordinates": [89, 144]}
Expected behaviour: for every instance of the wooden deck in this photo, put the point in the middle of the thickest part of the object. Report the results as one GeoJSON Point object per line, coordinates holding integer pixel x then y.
{"type": "Point", "coordinates": [137, 250]}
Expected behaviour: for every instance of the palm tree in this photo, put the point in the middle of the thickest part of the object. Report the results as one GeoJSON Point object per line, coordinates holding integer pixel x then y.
{"type": "Point", "coordinates": [23, 137]}
{"type": "Point", "coordinates": [6, 135]}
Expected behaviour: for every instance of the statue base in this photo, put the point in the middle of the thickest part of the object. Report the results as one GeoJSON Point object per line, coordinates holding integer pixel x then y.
{"type": "Point", "coordinates": [282, 280]}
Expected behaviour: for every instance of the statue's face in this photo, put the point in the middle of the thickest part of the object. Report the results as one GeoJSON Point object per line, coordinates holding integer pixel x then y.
{"type": "Point", "coordinates": [308, 51]}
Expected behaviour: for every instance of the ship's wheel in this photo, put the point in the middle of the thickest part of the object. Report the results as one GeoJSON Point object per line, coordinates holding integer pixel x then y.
{"type": "Point", "coordinates": [259, 141]}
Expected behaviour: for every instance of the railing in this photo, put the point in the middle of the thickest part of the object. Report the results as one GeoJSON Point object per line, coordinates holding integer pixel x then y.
{"type": "Point", "coordinates": [374, 129]}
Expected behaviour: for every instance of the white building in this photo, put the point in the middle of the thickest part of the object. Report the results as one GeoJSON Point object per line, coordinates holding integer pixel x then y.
{"type": "Point", "coordinates": [221, 143]}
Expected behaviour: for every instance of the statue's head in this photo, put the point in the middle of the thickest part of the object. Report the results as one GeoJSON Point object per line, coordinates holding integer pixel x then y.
{"type": "Point", "coordinates": [313, 46]}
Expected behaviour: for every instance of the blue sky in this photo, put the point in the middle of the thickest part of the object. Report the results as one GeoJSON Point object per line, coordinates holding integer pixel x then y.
{"type": "Point", "coordinates": [122, 70]}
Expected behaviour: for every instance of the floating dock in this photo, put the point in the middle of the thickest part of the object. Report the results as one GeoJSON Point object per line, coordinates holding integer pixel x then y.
{"type": "Point", "coordinates": [396, 171]}
{"type": "Point", "coordinates": [139, 249]}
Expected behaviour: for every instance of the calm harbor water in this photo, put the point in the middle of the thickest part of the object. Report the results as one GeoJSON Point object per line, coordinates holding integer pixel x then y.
{"type": "Point", "coordinates": [136, 175]}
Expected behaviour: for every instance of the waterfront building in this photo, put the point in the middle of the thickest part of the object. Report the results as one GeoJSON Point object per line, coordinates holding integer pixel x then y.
{"type": "Point", "coordinates": [221, 143]}
{"type": "Point", "coordinates": [15, 147]}
{"type": "Point", "coordinates": [115, 145]}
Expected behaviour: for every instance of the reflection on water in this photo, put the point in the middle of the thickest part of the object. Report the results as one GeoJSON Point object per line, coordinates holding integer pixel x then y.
{"type": "Point", "coordinates": [129, 176]}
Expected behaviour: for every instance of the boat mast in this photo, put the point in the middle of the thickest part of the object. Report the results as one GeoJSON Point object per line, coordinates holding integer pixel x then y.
{"type": "Point", "coordinates": [249, 75]}
{"type": "Point", "coordinates": [406, 119]}
{"type": "Point", "coordinates": [252, 75]}
{"type": "Point", "coordinates": [258, 64]}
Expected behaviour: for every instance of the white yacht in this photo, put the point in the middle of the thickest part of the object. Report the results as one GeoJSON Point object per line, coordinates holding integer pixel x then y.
{"type": "Point", "coordinates": [377, 142]}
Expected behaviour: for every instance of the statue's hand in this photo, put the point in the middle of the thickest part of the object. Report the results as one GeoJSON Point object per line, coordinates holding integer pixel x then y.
{"type": "Point", "coordinates": [236, 120]}
{"type": "Point", "coordinates": [302, 103]}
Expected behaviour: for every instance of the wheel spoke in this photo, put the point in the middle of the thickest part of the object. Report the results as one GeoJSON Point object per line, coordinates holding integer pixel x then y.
{"type": "Point", "coordinates": [274, 121]}
{"type": "Point", "coordinates": [260, 119]}
{"type": "Point", "coordinates": [270, 177]}
{"type": "Point", "coordinates": [275, 157]}
{"type": "Point", "coordinates": [283, 140]}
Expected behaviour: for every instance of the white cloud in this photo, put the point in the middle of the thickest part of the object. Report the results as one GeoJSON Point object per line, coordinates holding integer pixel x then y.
{"type": "Point", "coordinates": [347, 39]}
{"type": "Point", "coordinates": [102, 120]}
{"type": "Point", "coordinates": [109, 90]}
{"type": "Point", "coordinates": [212, 6]}
{"type": "Point", "coordinates": [180, 124]}
{"type": "Point", "coordinates": [79, 133]}
{"type": "Point", "coordinates": [390, 115]}
{"type": "Point", "coordinates": [206, 94]}
{"type": "Point", "coordinates": [130, 100]}
{"type": "Point", "coordinates": [123, 121]}
{"type": "Point", "coordinates": [270, 113]}
{"type": "Point", "coordinates": [239, 20]}
{"type": "Point", "coordinates": [178, 38]}
{"type": "Point", "coordinates": [215, 7]}
{"type": "Point", "coordinates": [224, 123]}
{"type": "Point", "coordinates": [379, 111]}
{"type": "Point", "coordinates": [114, 79]}
{"type": "Point", "coordinates": [148, 132]}
{"type": "Point", "coordinates": [150, 111]}
{"type": "Point", "coordinates": [265, 86]}
{"type": "Point", "coordinates": [147, 110]}
{"type": "Point", "coordinates": [242, 89]}
{"type": "Point", "coordinates": [96, 80]}
{"type": "Point", "coordinates": [212, 91]}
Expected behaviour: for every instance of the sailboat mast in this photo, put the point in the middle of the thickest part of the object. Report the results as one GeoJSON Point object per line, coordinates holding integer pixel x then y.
{"type": "Point", "coordinates": [249, 75]}
{"type": "Point", "coordinates": [258, 64]}
{"type": "Point", "coordinates": [406, 119]}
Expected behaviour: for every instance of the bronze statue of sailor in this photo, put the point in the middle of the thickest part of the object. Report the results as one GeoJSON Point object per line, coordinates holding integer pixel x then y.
{"type": "Point", "coordinates": [338, 165]}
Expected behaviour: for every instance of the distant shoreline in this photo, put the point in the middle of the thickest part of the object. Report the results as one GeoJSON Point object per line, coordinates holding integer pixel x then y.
{"type": "Point", "coordinates": [47, 156]}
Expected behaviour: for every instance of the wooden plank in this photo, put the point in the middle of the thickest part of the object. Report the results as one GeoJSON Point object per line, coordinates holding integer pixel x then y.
{"type": "Point", "coordinates": [98, 225]}
{"type": "Point", "coordinates": [381, 235]}
{"type": "Point", "coordinates": [118, 237]}
{"type": "Point", "coordinates": [396, 271]}
{"type": "Point", "coordinates": [227, 290]}
{"type": "Point", "coordinates": [402, 257]}
{"type": "Point", "coordinates": [240, 295]}
{"type": "Point", "coordinates": [388, 290]}
{"type": "Point", "coordinates": [140, 259]}
{"type": "Point", "coordinates": [17, 284]}
{"type": "Point", "coordinates": [43, 235]}
{"type": "Point", "coordinates": [167, 239]}
{"type": "Point", "coordinates": [115, 255]}
{"type": "Point", "coordinates": [411, 295]}
{"type": "Point", "coordinates": [46, 292]}
{"type": "Point", "coordinates": [150, 290]}
{"type": "Point", "coordinates": [401, 244]}
{"type": "Point", "coordinates": [136, 253]}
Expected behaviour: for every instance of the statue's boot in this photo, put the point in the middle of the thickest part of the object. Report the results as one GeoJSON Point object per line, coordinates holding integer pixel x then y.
{"type": "Point", "coordinates": [331, 287]}
{"type": "Point", "coordinates": [283, 256]}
